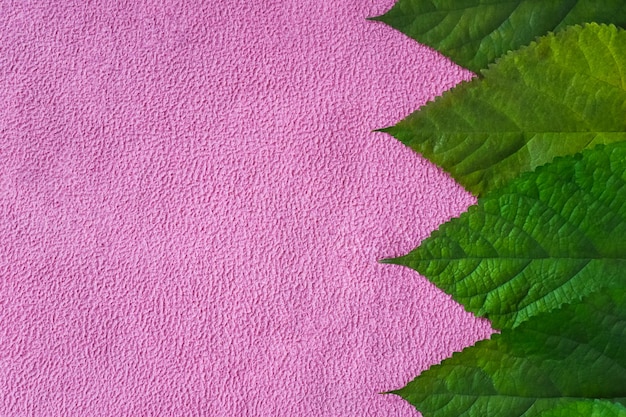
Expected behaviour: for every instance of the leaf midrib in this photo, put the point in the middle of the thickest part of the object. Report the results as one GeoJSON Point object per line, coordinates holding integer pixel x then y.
{"type": "Point", "coordinates": [521, 396]}
{"type": "Point", "coordinates": [532, 132]}
{"type": "Point", "coordinates": [520, 258]}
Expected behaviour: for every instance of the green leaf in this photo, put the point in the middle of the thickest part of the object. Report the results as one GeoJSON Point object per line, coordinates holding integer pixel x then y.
{"type": "Point", "coordinates": [550, 363]}
{"type": "Point", "coordinates": [586, 408]}
{"type": "Point", "coordinates": [549, 238]}
{"type": "Point", "coordinates": [473, 33]}
{"type": "Point", "coordinates": [557, 97]}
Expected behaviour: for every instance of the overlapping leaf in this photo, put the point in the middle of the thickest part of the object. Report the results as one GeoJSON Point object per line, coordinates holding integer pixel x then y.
{"type": "Point", "coordinates": [473, 33]}
{"type": "Point", "coordinates": [548, 238]}
{"type": "Point", "coordinates": [552, 363]}
{"type": "Point", "coordinates": [563, 94]}
{"type": "Point", "coordinates": [542, 257]}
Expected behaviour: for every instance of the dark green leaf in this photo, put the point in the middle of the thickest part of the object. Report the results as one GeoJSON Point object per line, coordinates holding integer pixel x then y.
{"type": "Point", "coordinates": [553, 361]}
{"type": "Point", "coordinates": [473, 33]}
{"type": "Point", "coordinates": [548, 238]}
{"type": "Point", "coordinates": [586, 408]}
{"type": "Point", "coordinates": [553, 98]}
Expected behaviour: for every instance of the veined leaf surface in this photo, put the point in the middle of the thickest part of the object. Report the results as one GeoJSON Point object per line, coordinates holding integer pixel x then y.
{"type": "Point", "coordinates": [473, 33]}
{"type": "Point", "coordinates": [563, 94]}
{"type": "Point", "coordinates": [551, 362]}
{"type": "Point", "coordinates": [586, 408]}
{"type": "Point", "coordinates": [549, 238]}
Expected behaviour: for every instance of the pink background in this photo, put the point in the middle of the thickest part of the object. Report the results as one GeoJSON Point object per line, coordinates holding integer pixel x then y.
{"type": "Point", "coordinates": [192, 204]}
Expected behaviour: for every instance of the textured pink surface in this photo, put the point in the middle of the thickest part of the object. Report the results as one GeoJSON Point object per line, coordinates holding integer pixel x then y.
{"type": "Point", "coordinates": [192, 206]}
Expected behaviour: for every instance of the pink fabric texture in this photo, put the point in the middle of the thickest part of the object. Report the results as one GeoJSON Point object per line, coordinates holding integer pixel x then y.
{"type": "Point", "coordinates": [192, 205]}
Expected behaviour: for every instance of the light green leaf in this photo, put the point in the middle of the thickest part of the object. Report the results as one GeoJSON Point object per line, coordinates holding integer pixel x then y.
{"type": "Point", "coordinates": [552, 361]}
{"type": "Point", "coordinates": [550, 237]}
{"type": "Point", "coordinates": [586, 408]}
{"type": "Point", "coordinates": [556, 97]}
{"type": "Point", "coordinates": [473, 33]}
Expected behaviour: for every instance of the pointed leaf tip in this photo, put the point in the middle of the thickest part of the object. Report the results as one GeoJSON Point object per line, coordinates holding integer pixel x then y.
{"type": "Point", "coordinates": [392, 392]}
{"type": "Point", "coordinates": [506, 280]}
{"type": "Point", "coordinates": [393, 261]}
{"type": "Point", "coordinates": [545, 363]}
{"type": "Point", "coordinates": [483, 149]}
{"type": "Point", "coordinates": [388, 129]}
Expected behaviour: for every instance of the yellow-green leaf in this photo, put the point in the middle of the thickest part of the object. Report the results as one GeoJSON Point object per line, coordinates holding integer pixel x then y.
{"type": "Point", "coordinates": [563, 94]}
